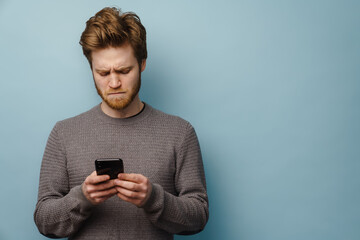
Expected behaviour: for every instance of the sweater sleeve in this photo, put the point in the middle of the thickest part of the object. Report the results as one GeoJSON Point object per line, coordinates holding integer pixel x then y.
{"type": "Point", "coordinates": [187, 212]}
{"type": "Point", "coordinates": [60, 211]}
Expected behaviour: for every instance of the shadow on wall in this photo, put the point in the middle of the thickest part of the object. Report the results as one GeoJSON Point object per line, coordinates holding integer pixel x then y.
{"type": "Point", "coordinates": [216, 227]}
{"type": "Point", "coordinates": [156, 89]}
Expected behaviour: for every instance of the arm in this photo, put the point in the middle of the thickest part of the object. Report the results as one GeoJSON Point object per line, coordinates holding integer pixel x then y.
{"type": "Point", "coordinates": [60, 211]}
{"type": "Point", "coordinates": [185, 213]}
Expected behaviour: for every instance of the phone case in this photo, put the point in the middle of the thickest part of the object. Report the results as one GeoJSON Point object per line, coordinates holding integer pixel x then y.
{"type": "Point", "coordinates": [109, 166]}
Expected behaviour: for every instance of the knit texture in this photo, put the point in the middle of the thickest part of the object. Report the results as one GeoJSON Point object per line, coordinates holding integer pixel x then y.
{"type": "Point", "coordinates": [162, 147]}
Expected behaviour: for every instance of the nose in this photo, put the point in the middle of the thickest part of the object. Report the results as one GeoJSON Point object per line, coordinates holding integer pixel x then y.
{"type": "Point", "coordinates": [114, 81]}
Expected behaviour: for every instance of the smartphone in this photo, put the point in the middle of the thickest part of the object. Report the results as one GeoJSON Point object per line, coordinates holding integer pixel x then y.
{"type": "Point", "coordinates": [109, 166]}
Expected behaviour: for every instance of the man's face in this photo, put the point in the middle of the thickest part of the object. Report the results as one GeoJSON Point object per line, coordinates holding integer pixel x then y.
{"type": "Point", "coordinates": [117, 75]}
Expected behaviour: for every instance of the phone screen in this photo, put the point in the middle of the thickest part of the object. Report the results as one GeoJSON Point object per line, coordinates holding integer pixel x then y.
{"type": "Point", "coordinates": [109, 166]}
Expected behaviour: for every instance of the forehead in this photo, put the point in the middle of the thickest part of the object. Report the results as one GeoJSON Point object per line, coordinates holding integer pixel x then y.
{"type": "Point", "coordinates": [113, 57]}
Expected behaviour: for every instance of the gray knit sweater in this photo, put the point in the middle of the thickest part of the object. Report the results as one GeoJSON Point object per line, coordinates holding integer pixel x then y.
{"type": "Point", "coordinates": [162, 147]}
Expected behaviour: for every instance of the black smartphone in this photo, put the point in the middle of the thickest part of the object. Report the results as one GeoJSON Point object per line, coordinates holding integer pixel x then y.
{"type": "Point", "coordinates": [109, 166]}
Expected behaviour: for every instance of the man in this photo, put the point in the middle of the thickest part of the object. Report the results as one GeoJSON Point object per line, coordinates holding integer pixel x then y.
{"type": "Point", "coordinates": [162, 191]}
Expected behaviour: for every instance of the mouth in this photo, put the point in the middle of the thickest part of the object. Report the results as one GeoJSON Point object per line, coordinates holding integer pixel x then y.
{"type": "Point", "coordinates": [116, 93]}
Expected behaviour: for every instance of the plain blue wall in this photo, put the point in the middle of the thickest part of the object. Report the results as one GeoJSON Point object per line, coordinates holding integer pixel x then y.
{"type": "Point", "coordinates": [272, 88]}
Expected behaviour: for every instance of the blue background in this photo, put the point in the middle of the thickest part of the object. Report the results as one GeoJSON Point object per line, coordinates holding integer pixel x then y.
{"type": "Point", "coordinates": [271, 87]}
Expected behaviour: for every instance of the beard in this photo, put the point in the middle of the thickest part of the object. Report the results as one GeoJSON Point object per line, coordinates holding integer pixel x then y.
{"type": "Point", "coordinates": [120, 103]}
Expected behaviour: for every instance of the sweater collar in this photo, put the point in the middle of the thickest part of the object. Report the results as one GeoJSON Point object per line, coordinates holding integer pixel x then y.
{"type": "Point", "coordinates": [143, 114]}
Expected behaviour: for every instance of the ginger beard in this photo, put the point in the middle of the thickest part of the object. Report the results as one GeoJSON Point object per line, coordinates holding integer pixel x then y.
{"type": "Point", "coordinates": [122, 102]}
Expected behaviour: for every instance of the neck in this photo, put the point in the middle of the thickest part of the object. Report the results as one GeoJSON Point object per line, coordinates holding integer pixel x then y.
{"type": "Point", "coordinates": [134, 108]}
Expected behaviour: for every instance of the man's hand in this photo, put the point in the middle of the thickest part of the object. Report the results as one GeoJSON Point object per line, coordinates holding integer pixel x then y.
{"type": "Point", "coordinates": [97, 189]}
{"type": "Point", "coordinates": [133, 188]}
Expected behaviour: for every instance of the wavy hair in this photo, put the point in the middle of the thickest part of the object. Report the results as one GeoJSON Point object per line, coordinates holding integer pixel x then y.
{"type": "Point", "coordinates": [112, 28]}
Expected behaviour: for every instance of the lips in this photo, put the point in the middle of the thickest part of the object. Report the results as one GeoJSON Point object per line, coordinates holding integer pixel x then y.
{"type": "Point", "coordinates": [116, 93]}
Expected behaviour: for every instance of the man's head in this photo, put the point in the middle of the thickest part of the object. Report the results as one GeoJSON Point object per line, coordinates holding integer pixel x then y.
{"type": "Point", "coordinates": [115, 45]}
{"type": "Point", "coordinates": [112, 28]}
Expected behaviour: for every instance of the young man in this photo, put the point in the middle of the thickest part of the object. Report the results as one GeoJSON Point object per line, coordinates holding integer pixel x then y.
{"type": "Point", "coordinates": [162, 191]}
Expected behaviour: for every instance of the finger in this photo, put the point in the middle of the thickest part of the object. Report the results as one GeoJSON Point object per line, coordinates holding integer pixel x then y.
{"type": "Point", "coordinates": [136, 202]}
{"type": "Point", "coordinates": [132, 177]}
{"type": "Point", "coordinates": [125, 198]}
{"type": "Point", "coordinates": [100, 186]}
{"type": "Point", "coordinates": [95, 179]}
{"type": "Point", "coordinates": [100, 199]}
{"type": "Point", "coordinates": [130, 194]}
{"type": "Point", "coordinates": [101, 194]}
{"type": "Point", "coordinates": [128, 199]}
{"type": "Point", "coordinates": [129, 185]}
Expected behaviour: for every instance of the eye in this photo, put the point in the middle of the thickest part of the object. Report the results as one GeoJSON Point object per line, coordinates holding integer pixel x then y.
{"type": "Point", "coordinates": [103, 74]}
{"type": "Point", "coordinates": [124, 71]}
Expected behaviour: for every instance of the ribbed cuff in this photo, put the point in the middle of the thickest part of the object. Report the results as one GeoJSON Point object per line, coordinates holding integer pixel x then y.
{"type": "Point", "coordinates": [154, 203]}
{"type": "Point", "coordinates": [84, 204]}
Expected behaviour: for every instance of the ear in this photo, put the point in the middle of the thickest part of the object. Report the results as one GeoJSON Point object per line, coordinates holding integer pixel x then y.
{"type": "Point", "coordinates": [143, 65]}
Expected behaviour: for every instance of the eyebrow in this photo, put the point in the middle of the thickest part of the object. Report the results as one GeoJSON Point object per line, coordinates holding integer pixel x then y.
{"type": "Point", "coordinates": [124, 68]}
{"type": "Point", "coordinates": [116, 69]}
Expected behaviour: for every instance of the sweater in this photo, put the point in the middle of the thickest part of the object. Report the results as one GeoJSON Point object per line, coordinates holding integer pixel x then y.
{"type": "Point", "coordinates": [162, 147]}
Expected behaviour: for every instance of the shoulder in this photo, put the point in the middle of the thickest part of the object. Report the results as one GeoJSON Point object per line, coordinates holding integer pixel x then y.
{"type": "Point", "coordinates": [171, 126]}
{"type": "Point", "coordinates": [76, 122]}
{"type": "Point", "coordinates": [177, 131]}
{"type": "Point", "coordinates": [169, 120]}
